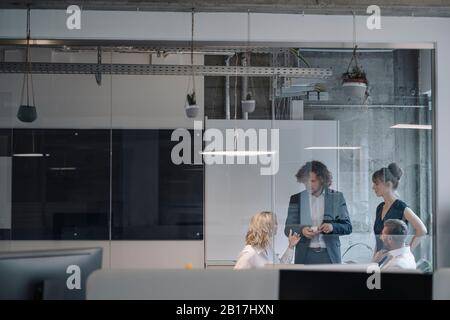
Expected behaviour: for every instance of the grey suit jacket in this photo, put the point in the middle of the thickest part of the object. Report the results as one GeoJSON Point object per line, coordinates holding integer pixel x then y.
{"type": "Point", "coordinates": [335, 212]}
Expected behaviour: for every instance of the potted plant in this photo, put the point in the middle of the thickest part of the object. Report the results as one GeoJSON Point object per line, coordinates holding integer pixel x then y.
{"type": "Point", "coordinates": [354, 81]}
{"type": "Point", "coordinates": [191, 106]}
{"type": "Point", "coordinates": [248, 105]}
{"type": "Point", "coordinates": [27, 112]}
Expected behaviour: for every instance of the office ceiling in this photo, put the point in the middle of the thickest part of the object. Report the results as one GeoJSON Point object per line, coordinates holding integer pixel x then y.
{"type": "Point", "coordinates": [431, 8]}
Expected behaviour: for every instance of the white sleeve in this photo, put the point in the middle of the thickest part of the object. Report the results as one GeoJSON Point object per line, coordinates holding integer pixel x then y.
{"type": "Point", "coordinates": [286, 258]}
{"type": "Point", "coordinates": [245, 261]}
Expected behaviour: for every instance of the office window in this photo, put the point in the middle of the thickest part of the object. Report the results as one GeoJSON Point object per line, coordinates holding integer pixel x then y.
{"type": "Point", "coordinates": [60, 184]}
{"type": "Point", "coordinates": [117, 181]}
{"type": "Point", "coordinates": [355, 129]}
{"type": "Point", "coordinates": [154, 199]}
{"type": "Point", "coordinates": [5, 184]}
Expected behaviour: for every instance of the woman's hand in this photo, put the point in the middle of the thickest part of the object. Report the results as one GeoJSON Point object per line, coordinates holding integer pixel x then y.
{"type": "Point", "coordinates": [419, 227]}
{"type": "Point", "coordinates": [293, 239]}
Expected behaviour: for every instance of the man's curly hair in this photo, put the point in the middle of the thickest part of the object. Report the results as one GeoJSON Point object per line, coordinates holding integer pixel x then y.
{"type": "Point", "coordinates": [319, 169]}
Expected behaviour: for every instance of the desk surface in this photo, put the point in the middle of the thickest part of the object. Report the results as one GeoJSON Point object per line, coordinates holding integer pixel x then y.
{"type": "Point", "coordinates": [321, 267]}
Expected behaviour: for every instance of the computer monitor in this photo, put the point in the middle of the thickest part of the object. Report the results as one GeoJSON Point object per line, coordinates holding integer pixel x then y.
{"type": "Point", "coordinates": [352, 285]}
{"type": "Point", "coordinates": [49, 274]}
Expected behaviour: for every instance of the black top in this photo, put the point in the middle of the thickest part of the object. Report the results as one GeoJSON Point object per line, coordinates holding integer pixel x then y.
{"type": "Point", "coordinates": [395, 212]}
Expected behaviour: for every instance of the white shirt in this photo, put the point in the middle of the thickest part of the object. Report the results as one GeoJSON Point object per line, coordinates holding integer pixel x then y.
{"type": "Point", "coordinates": [251, 257]}
{"type": "Point", "coordinates": [399, 259]}
{"type": "Point", "coordinates": [317, 205]}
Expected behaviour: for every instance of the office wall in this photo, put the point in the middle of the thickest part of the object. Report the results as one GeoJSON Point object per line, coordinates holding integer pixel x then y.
{"type": "Point", "coordinates": [128, 254]}
{"type": "Point", "coordinates": [406, 31]}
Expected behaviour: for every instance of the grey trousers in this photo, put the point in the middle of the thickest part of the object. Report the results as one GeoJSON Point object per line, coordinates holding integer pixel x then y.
{"type": "Point", "coordinates": [317, 257]}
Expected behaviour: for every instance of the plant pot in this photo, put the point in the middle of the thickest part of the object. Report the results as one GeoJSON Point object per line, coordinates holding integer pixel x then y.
{"type": "Point", "coordinates": [27, 113]}
{"type": "Point", "coordinates": [248, 105]}
{"type": "Point", "coordinates": [355, 90]}
{"type": "Point", "coordinates": [191, 110]}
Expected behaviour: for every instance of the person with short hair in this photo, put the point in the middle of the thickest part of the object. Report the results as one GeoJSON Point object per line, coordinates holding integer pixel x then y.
{"type": "Point", "coordinates": [319, 214]}
{"type": "Point", "coordinates": [397, 255]}
{"type": "Point", "coordinates": [258, 252]}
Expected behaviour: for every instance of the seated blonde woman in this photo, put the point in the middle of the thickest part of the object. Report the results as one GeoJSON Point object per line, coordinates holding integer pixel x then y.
{"type": "Point", "coordinates": [258, 252]}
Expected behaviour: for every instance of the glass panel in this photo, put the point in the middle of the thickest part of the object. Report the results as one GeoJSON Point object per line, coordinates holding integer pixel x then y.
{"type": "Point", "coordinates": [60, 182]}
{"type": "Point", "coordinates": [63, 194]}
{"type": "Point", "coordinates": [55, 170]}
{"type": "Point", "coordinates": [354, 133]}
{"type": "Point", "coordinates": [5, 182]}
{"type": "Point", "coordinates": [154, 199]}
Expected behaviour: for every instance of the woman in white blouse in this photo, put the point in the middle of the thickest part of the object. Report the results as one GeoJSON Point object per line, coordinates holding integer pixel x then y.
{"type": "Point", "coordinates": [258, 252]}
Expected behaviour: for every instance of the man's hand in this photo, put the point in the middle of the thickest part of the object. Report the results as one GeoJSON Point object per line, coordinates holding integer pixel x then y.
{"type": "Point", "coordinates": [326, 228]}
{"type": "Point", "coordinates": [309, 233]}
{"type": "Point", "coordinates": [379, 255]}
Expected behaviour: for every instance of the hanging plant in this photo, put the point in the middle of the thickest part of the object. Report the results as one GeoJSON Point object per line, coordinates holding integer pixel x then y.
{"type": "Point", "coordinates": [354, 80]}
{"type": "Point", "coordinates": [248, 105]}
{"type": "Point", "coordinates": [27, 111]}
{"type": "Point", "coordinates": [191, 107]}
{"type": "Point", "coordinates": [354, 72]}
{"type": "Point", "coordinates": [191, 99]}
{"type": "Point", "coordinates": [355, 75]}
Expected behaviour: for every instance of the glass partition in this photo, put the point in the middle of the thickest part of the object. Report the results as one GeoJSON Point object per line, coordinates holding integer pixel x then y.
{"type": "Point", "coordinates": [352, 154]}
{"type": "Point", "coordinates": [55, 168]}
{"type": "Point", "coordinates": [113, 161]}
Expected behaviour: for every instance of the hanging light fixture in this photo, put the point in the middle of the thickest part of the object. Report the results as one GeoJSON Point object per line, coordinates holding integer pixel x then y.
{"type": "Point", "coordinates": [33, 153]}
{"type": "Point", "coordinates": [27, 112]}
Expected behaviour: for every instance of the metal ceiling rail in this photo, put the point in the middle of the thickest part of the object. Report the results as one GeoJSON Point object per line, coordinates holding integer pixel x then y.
{"type": "Point", "coordinates": [146, 69]}
{"type": "Point", "coordinates": [237, 46]}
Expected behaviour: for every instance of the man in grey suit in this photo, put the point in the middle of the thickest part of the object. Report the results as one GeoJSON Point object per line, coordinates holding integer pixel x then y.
{"type": "Point", "coordinates": [319, 215]}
